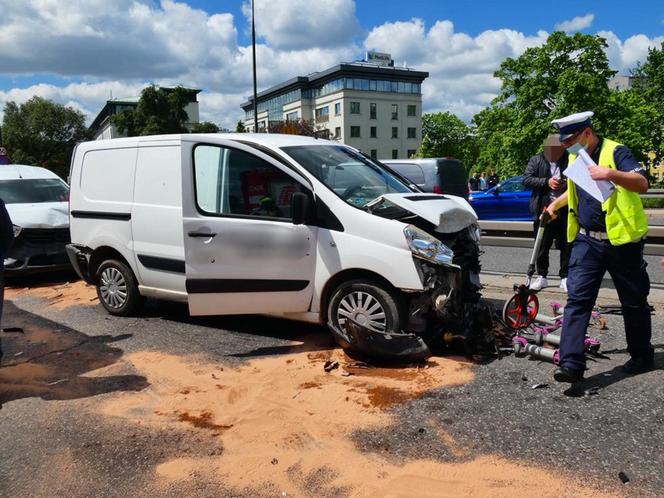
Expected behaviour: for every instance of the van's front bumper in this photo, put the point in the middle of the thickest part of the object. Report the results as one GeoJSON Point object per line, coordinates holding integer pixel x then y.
{"type": "Point", "coordinates": [79, 257]}
{"type": "Point", "coordinates": [38, 250]}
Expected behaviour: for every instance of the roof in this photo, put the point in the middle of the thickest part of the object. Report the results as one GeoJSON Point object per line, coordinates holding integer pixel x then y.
{"type": "Point", "coordinates": [272, 140]}
{"type": "Point", "coordinates": [350, 69]}
{"type": "Point", "coordinates": [18, 171]}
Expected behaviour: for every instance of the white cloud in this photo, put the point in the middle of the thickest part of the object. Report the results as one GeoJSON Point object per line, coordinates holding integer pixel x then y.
{"type": "Point", "coordinates": [124, 45]}
{"type": "Point", "coordinates": [624, 55]}
{"type": "Point", "coordinates": [300, 24]}
{"type": "Point", "coordinates": [577, 24]}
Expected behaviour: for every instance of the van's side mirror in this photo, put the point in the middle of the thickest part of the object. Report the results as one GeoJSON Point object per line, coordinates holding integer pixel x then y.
{"type": "Point", "coordinates": [300, 208]}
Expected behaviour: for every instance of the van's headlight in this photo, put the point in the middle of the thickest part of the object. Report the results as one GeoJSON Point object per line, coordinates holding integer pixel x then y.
{"type": "Point", "coordinates": [17, 230]}
{"type": "Point", "coordinates": [427, 247]}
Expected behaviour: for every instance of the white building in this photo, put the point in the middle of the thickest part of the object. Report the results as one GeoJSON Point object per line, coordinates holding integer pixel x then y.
{"type": "Point", "coordinates": [102, 127]}
{"type": "Point", "coordinates": [374, 107]}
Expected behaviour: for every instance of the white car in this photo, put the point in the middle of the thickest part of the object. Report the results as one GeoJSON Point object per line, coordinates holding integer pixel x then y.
{"type": "Point", "coordinates": [37, 203]}
{"type": "Point", "coordinates": [274, 224]}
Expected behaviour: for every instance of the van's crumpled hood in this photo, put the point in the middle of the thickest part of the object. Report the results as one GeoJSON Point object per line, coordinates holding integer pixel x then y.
{"type": "Point", "coordinates": [40, 215]}
{"type": "Point", "coordinates": [448, 213]}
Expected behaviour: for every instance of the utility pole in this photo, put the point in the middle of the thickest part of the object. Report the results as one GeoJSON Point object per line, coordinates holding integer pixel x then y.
{"type": "Point", "coordinates": [253, 49]}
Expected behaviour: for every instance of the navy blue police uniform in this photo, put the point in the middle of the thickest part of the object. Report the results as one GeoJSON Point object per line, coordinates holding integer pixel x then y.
{"type": "Point", "coordinates": [592, 256]}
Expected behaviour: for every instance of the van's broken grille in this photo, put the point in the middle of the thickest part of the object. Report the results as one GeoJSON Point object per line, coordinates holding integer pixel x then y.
{"type": "Point", "coordinates": [45, 235]}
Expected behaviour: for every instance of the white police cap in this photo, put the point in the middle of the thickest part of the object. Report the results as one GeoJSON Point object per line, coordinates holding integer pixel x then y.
{"type": "Point", "coordinates": [569, 125]}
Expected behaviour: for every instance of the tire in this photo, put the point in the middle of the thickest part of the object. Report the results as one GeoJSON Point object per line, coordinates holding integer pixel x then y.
{"type": "Point", "coordinates": [376, 302]}
{"type": "Point", "coordinates": [117, 289]}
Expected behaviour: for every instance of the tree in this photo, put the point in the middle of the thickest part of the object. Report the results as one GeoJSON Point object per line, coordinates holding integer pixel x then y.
{"type": "Point", "coordinates": [205, 127]}
{"type": "Point", "coordinates": [240, 128]}
{"type": "Point", "coordinates": [300, 127]}
{"type": "Point", "coordinates": [649, 91]}
{"type": "Point", "coordinates": [43, 133]}
{"type": "Point", "coordinates": [444, 134]}
{"type": "Point", "coordinates": [159, 110]}
{"type": "Point", "coordinates": [567, 74]}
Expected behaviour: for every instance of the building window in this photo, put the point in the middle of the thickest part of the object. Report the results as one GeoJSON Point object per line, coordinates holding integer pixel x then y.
{"type": "Point", "coordinates": [412, 110]}
{"type": "Point", "coordinates": [291, 116]}
{"type": "Point", "coordinates": [374, 154]}
{"type": "Point", "coordinates": [395, 132]}
{"type": "Point", "coordinates": [372, 132]}
{"type": "Point", "coordinates": [354, 132]}
{"type": "Point", "coordinates": [323, 114]}
{"type": "Point", "coordinates": [372, 110]}
{"type": "Point", "coordinates": [395, 153]}
{"type": "Point", "coordinates": [337, 132]}
{"type": "Point", "coordinates": [354, 107]}
{"type": "Point", "coordinates": [412, 133]}
{"type": "Point", "coordinates": [411, 153]}
{"type": "Point", "coordinates": [337, 108]}
{"type": "Point", "coordinates": [395, 111]}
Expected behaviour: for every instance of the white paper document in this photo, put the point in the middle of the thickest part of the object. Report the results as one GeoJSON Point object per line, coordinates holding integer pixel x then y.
{"type": "Point", "coordinates": [579, 174]}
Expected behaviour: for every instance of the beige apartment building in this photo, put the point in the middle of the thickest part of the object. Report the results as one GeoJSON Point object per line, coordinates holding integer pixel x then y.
{"type": "Point", "coordinates": [372, 106]}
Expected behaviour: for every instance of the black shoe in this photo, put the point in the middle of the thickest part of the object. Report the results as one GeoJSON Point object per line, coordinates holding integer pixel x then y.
{"type": "Point", "coordinates": [638, 365]}
{"type": "Point", "coordinates": [563, 374]}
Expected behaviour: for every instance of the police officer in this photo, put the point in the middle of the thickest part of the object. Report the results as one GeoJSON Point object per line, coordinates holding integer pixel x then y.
{"type": "Point", "coordinates": [607, 237]}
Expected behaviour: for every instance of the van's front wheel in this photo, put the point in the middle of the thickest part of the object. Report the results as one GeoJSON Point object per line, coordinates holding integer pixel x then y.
{"type": "Point", "coordinates": [366, 303]}
{"type": "Point", "coordinates": [117, 289]}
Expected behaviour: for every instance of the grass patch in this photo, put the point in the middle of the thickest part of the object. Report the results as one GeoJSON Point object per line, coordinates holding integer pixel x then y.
{"type": "Point", "coordinates": [652, 202]}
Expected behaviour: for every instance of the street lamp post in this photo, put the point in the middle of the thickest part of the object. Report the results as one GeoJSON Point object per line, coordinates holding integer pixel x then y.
{"type": "Point", "coordinates": [253, 49]}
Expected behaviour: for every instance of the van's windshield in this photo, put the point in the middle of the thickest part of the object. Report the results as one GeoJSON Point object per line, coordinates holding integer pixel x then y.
{"type": "Point", "coordinates": [354, 178]}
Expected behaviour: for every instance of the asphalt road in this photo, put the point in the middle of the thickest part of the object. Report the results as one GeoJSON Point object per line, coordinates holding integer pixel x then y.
{"type": "Point", "coordinates": [515, 260]}
{"type": "Point", "coordinates": [52, 446]}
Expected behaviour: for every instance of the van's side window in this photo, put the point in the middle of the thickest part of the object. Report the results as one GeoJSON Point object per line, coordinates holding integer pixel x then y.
{"type": "Point", "coordinates": [233, 182]}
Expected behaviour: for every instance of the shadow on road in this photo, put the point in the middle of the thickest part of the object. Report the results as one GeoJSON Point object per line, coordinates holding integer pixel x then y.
{"type": "Point", "coordinates": [44, 359]}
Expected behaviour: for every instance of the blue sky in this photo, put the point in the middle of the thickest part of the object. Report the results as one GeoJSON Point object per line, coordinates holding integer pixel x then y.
{"type": "Point", "coordinates": [80, 53]}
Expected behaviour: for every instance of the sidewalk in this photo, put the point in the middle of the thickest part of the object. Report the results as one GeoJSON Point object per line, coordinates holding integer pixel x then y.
{"type": "Point", "coordinates": [496, 285]}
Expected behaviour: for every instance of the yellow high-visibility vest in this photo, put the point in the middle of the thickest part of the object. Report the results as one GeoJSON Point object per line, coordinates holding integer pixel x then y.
{"type": "Point", "coordinates": [626, 221]}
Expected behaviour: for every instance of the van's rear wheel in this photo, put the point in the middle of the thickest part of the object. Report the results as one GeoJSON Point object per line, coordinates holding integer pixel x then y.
{"type": "Point", "coordinates": [117, 289]}
{"type": "Point", "coordinates": [367, 303]}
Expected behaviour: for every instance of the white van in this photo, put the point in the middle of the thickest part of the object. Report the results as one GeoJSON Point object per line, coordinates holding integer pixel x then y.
{"type": "Point", "coordinates": [274, 224]}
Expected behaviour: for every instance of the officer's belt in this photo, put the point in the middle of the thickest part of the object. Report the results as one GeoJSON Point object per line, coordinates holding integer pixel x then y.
{"type": "Point", "coordinates": [594, 235]}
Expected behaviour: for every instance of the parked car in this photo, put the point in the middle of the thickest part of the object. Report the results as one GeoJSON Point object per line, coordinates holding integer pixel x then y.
{"type": "Point", "coordinates": [276, 224]}
{"type": "Point", "coordinates": [37, 202]}
{"type": "Point", "coordinates": [509, 200]}
{"type": "Point", "coordinates": [438, 175]}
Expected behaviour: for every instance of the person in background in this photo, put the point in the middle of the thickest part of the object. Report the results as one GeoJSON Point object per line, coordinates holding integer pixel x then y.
{"type": "Point", "coordinates": [474, 182]}
{"type": "Point", "coordinates": [544, 176]}
{"type": "Point", "coordinates": [494, 179]}
{"type": "Point", "coordinates": [607, 236]}
{"type": "Point", "coordinates": [6, 239]}
{"type": "Point", "coordinates": [483, 183]}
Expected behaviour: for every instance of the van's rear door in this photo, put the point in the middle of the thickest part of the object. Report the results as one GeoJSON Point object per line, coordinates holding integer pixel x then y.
{"type": "Point", "coordinates": [243, 254]}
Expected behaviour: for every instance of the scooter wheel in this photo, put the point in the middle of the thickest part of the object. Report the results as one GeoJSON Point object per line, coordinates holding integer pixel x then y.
{"type": "Point", "coordinates": [519, 315]}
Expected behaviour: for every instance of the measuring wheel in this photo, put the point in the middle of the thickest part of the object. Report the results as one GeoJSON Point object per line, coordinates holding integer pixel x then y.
{"type": "Point", "coordinates": [520, 311]}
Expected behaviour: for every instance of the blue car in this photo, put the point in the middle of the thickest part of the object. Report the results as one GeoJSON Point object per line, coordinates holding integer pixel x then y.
{"type": "Point", "coordinates": [507, 201]}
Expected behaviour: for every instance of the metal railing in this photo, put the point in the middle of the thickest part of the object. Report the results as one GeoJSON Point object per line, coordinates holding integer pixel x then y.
{"type": "Point", "coordinates": [520, 234]}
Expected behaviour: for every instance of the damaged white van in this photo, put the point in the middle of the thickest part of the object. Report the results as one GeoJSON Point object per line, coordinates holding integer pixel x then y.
{"type": "Point", "coordinates": [276, 224]}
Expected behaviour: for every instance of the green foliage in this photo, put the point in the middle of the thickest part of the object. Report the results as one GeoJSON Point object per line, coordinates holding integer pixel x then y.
{"type": "Point", "coordinates": [649, 87]}
{"type": "Point", "coordinates": [43, 133]}
{"type": "Point", "coordinates": [568, 74]}
{"type": "Point", "coordinates": [444, 134]}
{"type": "Point", "coordinates": [205, 127]}
{"type": "Point", "coordinates": [240, 128]}
{"type": "Point", "coordinates": [159, 110]}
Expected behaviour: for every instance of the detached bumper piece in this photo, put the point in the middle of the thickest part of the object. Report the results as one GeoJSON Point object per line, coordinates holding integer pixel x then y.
{"type": "Point", "coordinates": [79, 258]}
{"type": "Point", "coordinates": [38, 250]}
{"type": "Point", "coordinates": [359, 339]}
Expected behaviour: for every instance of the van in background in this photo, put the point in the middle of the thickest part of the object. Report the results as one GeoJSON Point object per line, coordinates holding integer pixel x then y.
{"type": "Point", "coordinates": [442, 175]}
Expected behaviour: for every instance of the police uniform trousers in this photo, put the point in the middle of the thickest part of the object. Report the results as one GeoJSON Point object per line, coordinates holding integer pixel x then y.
{"type": "Point", "coordinates": [589, 261]}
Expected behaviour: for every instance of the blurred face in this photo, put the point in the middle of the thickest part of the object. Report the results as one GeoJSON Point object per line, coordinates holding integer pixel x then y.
{"type": "Point", "coordinates": [553, 149]}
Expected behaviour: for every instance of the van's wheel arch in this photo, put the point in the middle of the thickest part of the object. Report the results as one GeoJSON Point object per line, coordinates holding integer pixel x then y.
{"type": "Point", "coordinates": [117, 289]}
{"type": "Point", "coordinates": [369, 302]}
